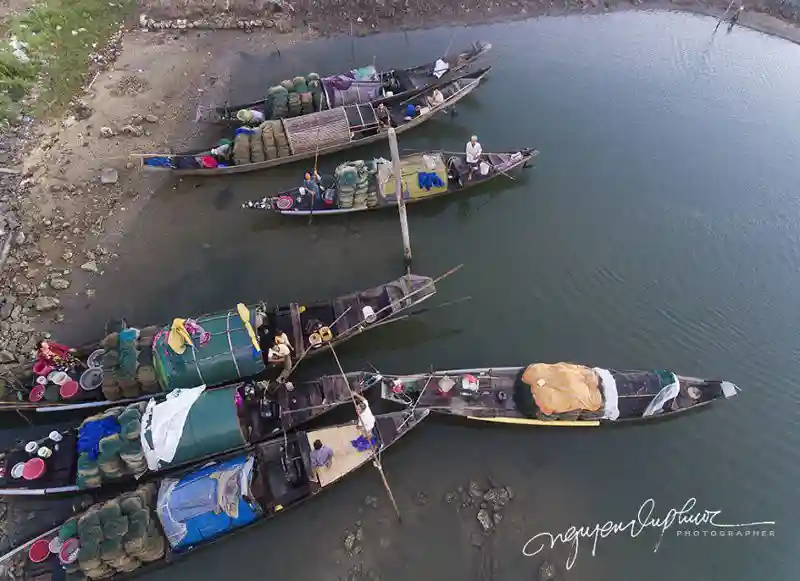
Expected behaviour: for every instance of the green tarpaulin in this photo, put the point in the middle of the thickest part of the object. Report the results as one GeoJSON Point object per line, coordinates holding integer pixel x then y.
{"type": "Point", "coordinates": [227, 357]}
{"type": "Point", "coordinates": [211, 427]}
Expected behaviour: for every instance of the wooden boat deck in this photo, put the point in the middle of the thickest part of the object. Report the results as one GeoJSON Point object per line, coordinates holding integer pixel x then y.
{"type": "Point", "coordinates": [345, 457]}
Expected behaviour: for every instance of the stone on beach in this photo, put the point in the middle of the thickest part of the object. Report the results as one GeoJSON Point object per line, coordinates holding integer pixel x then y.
{"type": "Point", "coordinates": [44, 304]}
{"type": "Point", "coordinates": [90, 266]}
{"type": "Point", "coordinates": [109, 176]}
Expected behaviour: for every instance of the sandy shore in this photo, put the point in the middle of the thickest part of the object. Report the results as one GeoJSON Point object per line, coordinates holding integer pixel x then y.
{"type": "Point", "coordinates": [72, 186]}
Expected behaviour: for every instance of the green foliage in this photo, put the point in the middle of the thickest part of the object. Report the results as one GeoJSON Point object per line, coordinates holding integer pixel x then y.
{"type": "Point", "coordinates": [60, 35]}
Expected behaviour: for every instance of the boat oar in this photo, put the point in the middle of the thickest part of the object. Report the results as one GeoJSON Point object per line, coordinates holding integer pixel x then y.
{"type": "Point", "coordinates": [244, 315]}
{"type": "Point", "coordinates": [376, 461]}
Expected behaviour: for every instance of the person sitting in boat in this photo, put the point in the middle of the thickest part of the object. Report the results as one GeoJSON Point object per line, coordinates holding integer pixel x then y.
{"type": "Point", "coordinates": [473, 152]}
{"type": "Point", "coordinates": [436, 98]}
{"type": "Point", "coordinates": [57, 355]}
{"type": "Point", "coordinates": [282, 339]}
{"type": "Point", "coordinates": [311, 184]}
{"type": "Point", "coordinates": [281, 354]}
{"type": "Point", "coordinates": [321, 455]}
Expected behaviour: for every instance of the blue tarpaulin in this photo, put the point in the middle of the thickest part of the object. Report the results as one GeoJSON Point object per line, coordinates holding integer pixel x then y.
{"type": "Point", "coordinates": [428, 180]}
{"type": "Point", "coordinates": [207, 503]}
{"type": "Point", "coordinates": [362, 445]}
{"type": "Point", "coordinates": [92, 432]}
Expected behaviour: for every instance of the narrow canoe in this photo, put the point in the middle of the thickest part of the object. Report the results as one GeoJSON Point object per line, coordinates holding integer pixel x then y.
{"type": "Point", "coordinates": [228, 355]}
{"type": "Point", "coordinates": [582, 396]}
{"type": "Point", "coordinates": [153, 526]}
{"type": "Point", "coordinates": [374, 89]}
{"type": "Point", "coordinates": [379, 184]}
{"type": "Point", "coordinates": [284, 141]}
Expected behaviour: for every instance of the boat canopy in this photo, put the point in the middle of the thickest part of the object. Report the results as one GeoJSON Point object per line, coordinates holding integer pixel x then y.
{"type": "Point", "coordinates": [418, 173]}
{"type": "Point", "coordinates": [220, 351]}
{"type": "Point", "coordinates": [190, 424]}
{"type": "Point", "coordinates": [207, 503]}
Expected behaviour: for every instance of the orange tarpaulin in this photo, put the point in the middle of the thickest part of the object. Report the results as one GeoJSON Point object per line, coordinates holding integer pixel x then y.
{"type": "Point", "coordinates": [563, 387]}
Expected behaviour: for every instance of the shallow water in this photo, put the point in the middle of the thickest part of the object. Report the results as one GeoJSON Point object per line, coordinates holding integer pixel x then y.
{"type": "Point", "coordinates": [659, 229]}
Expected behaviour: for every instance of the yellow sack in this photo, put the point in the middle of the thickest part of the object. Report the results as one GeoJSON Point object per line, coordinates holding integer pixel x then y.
{"type": "Point", "coordinates": [563, 387]}
{"type": "Point", "coordinates": [178, 336]}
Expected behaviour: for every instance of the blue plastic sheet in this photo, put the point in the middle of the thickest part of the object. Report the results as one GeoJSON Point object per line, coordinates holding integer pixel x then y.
{"type": "Point", "coordinates": [362, 445]}
{"type": "Point", "coordinates": [428, 180]}
{"type": "Point", "coordinates": [91, 433]}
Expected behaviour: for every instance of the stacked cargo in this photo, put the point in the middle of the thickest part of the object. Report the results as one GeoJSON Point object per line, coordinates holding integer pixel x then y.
{"type": "Point", "coordinates": [299, 96]}
{"type": "Point", "coordinates": [109, 446]}
{"type": "Point", "coordinates": [118, 536]}
{"type": "Point", "coordinates": [128, 364]}
{"type": "Point", "coordinates": [356, 184]}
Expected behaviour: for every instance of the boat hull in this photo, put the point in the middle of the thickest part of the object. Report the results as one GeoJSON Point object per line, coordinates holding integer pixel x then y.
{"type": "Point", "coordinates": [493, 397]}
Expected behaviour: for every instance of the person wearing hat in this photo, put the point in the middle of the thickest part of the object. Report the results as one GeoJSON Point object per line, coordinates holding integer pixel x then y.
{"type": "Point", "coordinates": [473, 152]}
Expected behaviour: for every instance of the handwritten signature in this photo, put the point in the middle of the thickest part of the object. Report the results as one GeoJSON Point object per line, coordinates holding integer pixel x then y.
{"type": "Point", "coordinates": [645, 519]}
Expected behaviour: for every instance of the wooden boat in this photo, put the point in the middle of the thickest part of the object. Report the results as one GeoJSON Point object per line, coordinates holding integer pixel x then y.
{"type": "Point", "coordinates": [364, 85]}
{"type": "Point", "coordinates": [228, 355]}
{"type": "Point", "coordinates": [289, 140]}
{"type": "Point", "coordinates": [150, 527]}
{"type": "Point", "coordinates": [376, 187]}
{"type": "Point", "coordinates": [552, 395]}
{"type": "Point", "coordinates": [218, 421]}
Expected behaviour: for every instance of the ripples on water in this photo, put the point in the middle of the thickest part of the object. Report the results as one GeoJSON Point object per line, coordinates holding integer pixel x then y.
{"type": "Point", "coordinates": [659, 229]}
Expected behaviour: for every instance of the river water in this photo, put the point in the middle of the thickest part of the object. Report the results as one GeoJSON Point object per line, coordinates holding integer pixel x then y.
{"type": "Point", "coordinates": [659, 229]}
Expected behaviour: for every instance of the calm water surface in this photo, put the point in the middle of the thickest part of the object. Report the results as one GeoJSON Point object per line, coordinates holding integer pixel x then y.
{"type": "Point", "coordinates": [659, 229]}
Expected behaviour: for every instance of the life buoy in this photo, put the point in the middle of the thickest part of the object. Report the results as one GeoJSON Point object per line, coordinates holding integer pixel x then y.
{"type": "Point", "coordinates": [284, 202]}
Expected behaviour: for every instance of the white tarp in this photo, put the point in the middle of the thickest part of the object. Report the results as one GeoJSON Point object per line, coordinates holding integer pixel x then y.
{"type": "Point", "coordinates": [440, 68]}
{"type": "Point", "coordinates": [610, 396]}
{"type": "Point", "coordinates": [164, 423]}
{"type": "Point", "coordinates": [667, 393]}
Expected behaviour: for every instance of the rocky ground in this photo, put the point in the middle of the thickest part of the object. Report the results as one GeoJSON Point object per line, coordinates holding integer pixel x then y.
{"type": "Point", "coordinates": [68, 186]}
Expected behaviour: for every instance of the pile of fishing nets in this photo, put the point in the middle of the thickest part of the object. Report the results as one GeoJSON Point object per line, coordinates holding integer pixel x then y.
{"type": "Point", "coordinates": [117, 536]}
{"type": "Point", "coordinates": [128, 364]}
{"type": "Point", "coordinates": [356, 184]}
{"type": "Point", "coordinates": [109, 446]}
{"type": "Point", "coordinates": [298, 96]}
{"type": "Point", "coordinates": [263, 143]}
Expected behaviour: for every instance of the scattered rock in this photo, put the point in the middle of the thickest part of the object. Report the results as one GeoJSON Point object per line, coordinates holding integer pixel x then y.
{"type": "Point", "coordinates": [151, 118]}
{"type": "Point", "coordinates": [485, 520]}
{"type": "Point", "coordinates": [359, 534]}
{"type": "Point", "coordinates": [82, 111]}
{"type": "Point", "coordinates": [499, 497]}
{"type": "Point", "coordinates": [44, 304]}
{"type": "Point", "coordinates": [90, 266]}
{"type": "Point", "coordinates": [134, 130]}
{"type": "Point", "coordinates": [67, 255]}
{"type": "Point", "coordinates": [475, 490]}
{"type": "Point", "coordinates": [349, 542]}
{"type": "Point", "coordinates": [19, 239]}
{"type": "Point", "coordinates": [109, 176]}
{"type": "Point", "coordinates": [7, 357]}
{"type": "Point", "coordinates": [106, 132]}
{"type": "Point", "coordinates": [497, 517]}
{"type": "Point", "coordinates": [450, 497]}
{"type": "Point", "coordinates": [59, 283]}
{"type": "Point", "coordinates": [547, 571]}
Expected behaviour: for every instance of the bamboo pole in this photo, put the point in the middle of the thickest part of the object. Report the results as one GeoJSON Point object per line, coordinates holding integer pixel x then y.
{"type": "Point", "coordinates": [376, 461]}
{"type": "Point", "coordinates": [401, 204]}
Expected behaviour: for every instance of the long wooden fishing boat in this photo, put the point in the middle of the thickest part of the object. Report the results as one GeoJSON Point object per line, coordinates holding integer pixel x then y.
{"type": "Point", "coordinates": [209, 423]}
{"type": "Point", "coordinates": [289, 140]}
{"type": "Point", "coordinates": [226, 347]}
{"type": "Point", "coordinates": [543, 394]}
{"type": "Point", "coordinates": [161, 521]}
{"type": "Point", "coordinates": [371, 185]}
{"type": "Point", "coordinates": [363, 85]}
